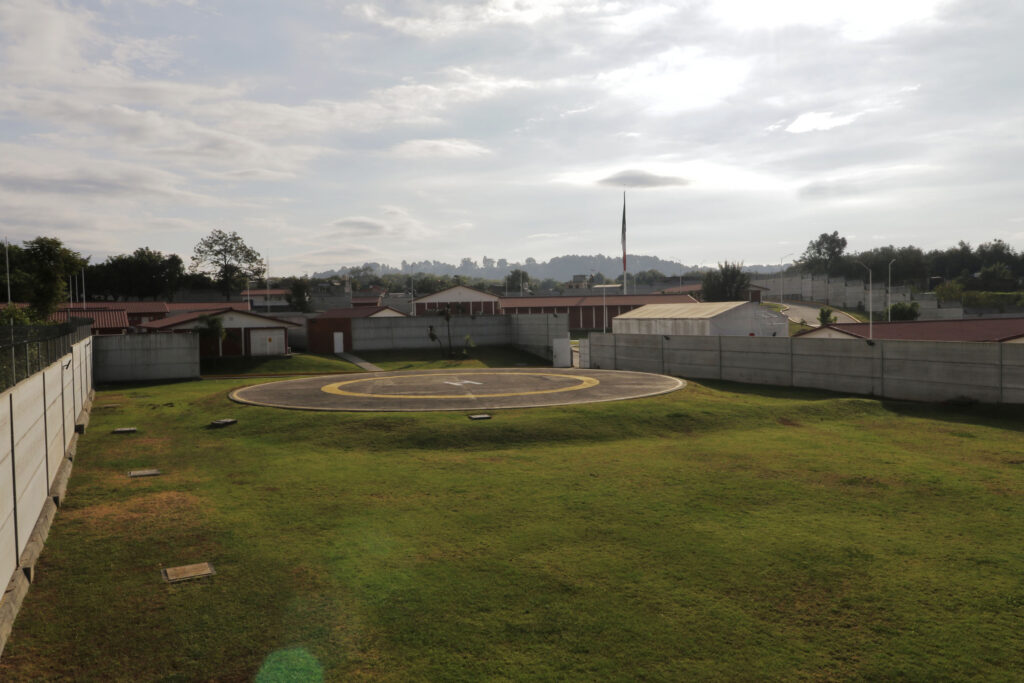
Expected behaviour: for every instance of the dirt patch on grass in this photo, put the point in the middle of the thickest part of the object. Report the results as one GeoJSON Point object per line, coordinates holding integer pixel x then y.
{"type": "Point", "coordinates": [786, 422]}
{"type": "Point", "coordinates": [165, 509]}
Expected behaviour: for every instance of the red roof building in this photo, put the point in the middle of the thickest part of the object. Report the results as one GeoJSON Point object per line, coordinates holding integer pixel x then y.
{"type": "Point", "coordinates": [104, 320]}
{"type": "Point", "coordinates": [324, 329]}
{"type": "Point", "coordinates": [1009, 330]}
{"type": "Point", "coordinates": [588, 312]}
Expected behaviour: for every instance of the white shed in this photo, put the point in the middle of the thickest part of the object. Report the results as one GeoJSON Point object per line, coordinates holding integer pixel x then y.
{"type": "Point", "coordinates": [722, 318]}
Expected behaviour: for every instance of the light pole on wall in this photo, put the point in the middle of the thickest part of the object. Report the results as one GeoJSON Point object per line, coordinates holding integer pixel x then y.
{"type": "Point", "coordinates": [604, 300]}
{"type": "Point", "coordinates": [782, 277]}
{"type": "Point", "coordinates": [871, 315]}
{"type": "Point", "coordinates": [888, 293]}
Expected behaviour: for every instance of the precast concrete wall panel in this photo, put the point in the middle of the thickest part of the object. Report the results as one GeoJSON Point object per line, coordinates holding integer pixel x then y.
{"type": "Point", "coordinates": [845, 365]}
{"type": "Point", "coordinates": [53, 420]}
{"type": "Point", "coordinates": [763, 360]}
{"type": "Point", "coordinates": [146, 357]}
{"type": "Point", "coordinates": [8, 556]}
{"type": "Point", "coordinates": [639, 352]}
{"type": "Point", "coordinates": [696, 357]}
{"type": "Point", "coordinates": [1013, 373]}
{"type": "Point", "coordinates": [936, 371]}
{"type": "Point", "coordinates": [68, 397]}
{"type": "Point", "coordinates": [602, 351]}
{"type": "Point", "coordinates": [29, 439]}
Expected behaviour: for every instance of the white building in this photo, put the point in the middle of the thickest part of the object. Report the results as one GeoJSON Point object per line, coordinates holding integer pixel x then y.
{"type": "Point", "coordinates": [723, 318]}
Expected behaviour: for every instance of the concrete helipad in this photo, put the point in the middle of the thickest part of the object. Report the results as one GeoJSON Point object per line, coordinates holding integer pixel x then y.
{"type": "Point", "coordinates": [476, 389]}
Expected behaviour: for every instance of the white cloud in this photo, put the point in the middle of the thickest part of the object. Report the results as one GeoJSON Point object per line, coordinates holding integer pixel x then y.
{"type": "Point", "coordinates": [676, 80]}
{"type": "Point", "coordinates": [452, 148]}
{"type": "Point", "coordinates": [815, 120]}
{"type": "Point", "coordinates": [855, 19]}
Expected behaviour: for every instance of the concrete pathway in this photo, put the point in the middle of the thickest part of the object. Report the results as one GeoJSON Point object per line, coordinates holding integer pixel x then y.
{"type": "Point", "coordinates": [807, 312]}
{"type": "Point", "coordinates": [356, 360]}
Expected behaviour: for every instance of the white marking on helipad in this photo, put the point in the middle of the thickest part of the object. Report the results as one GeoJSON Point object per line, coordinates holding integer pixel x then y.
{"type": "Point", "coordinates": [465, 381]}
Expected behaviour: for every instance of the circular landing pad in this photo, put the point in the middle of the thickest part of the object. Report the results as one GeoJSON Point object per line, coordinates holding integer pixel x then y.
{"type": "Point", "coordinates": [475, 389]}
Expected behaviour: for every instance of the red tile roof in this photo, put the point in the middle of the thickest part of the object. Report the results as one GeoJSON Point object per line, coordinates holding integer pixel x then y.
{"type": "Point", "coordinates": [264, 292]}
{"type": "Point", "coordinates": [136, 307]}
{"type": "Point", "coordinates": [207, 306]}
{"type": "Point", "coordinates": [360, 312]}
{"type": "Point", "coordinates": [969, 330]}
{"type": "Point", "coordinates": [182, 318]}
{"type": "Point", "coordinates": [102, 319]}
{"type": "Point", "coordinates": [612, 300]}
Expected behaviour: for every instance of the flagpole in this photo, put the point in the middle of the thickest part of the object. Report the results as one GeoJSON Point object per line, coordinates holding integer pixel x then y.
{"type": "Point", "coordinates": [624, 286]}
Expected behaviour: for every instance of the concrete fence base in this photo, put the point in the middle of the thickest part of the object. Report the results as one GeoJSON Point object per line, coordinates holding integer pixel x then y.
{"type": "Point", "coordinates": [919, 371]}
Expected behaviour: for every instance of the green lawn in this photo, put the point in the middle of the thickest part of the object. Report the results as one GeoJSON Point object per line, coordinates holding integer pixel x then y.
{"type": "Point", "coordinates": [298, 363]}
{"type": "Point", "coordinates": [721, 532]}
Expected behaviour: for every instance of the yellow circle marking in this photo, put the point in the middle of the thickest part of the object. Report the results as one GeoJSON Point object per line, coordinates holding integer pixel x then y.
{"type": "Point", "coordinates": [584, 383]}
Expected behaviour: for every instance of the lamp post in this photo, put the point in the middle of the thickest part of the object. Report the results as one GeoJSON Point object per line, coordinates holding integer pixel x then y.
{"type": "Point", "coordinates": [871, 314]}
{"type": "Point", "coordinates": [888, 294]}
{"type": "Point", "coordinates": [782, 277]}
{"type": "Point", "coordinates": [604, 300]}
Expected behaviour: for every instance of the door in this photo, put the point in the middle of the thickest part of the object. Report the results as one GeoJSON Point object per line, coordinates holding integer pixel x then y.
{"type": "Point", "coordinates": [339, 342]}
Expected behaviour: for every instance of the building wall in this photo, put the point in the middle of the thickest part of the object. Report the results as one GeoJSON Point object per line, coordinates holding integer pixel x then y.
{"type": "Point", "coordinates": [919, 371]}
{"type": "Point", "coordinates": [146, 357]}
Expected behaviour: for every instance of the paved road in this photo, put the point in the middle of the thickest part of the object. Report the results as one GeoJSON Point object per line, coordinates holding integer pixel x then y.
{"type": "Point", "coordinates": [808, 312]}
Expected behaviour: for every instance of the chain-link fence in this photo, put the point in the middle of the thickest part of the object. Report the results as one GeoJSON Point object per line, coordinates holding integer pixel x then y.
{"type": "Point", "coordinates": [27, 349]}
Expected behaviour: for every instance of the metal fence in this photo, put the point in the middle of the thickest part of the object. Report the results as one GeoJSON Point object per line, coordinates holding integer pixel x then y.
{"type": "Point", "coordinates": [27, 349]}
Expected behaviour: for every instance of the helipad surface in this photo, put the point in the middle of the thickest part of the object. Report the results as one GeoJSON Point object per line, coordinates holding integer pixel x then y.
{"type": "Point", "coordinates": [483, 388]}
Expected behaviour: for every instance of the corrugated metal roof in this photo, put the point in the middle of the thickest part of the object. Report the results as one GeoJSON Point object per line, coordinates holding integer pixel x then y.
{"type": "Point", "coordinates": [360, 312]}
{"type": "Point", "coordinates": [612, 300]}
{"type": "Point", "coordinates": [207, 306]}
{"type": "Point", "coordinates": [682, 311]}
{"type": "Point", "coordinates": [183, 318]}
{"type": "Point", "coordinates": [969, 330]}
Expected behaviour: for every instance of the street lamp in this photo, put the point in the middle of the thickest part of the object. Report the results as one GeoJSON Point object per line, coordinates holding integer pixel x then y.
{"type": "Point", "coordinates": [871, 315]}
{"type": "Point", "coordinates": [782, 279]}
{"type": "Point", "coordinates": [604, 299]}
{"type": "Point", "coordinates": [888, 293]}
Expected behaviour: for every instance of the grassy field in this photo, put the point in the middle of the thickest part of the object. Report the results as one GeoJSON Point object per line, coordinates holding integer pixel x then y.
{"type": "Point", "coordinates": [298, 363]}
{"type": "Point", "coordinates": [722, 532]}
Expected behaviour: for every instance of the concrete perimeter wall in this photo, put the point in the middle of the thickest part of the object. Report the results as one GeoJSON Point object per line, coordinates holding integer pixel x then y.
{"type": "Point", "coordinates": [139, 357]}
{"type": "Point", "coordinates": [37, 426]}
{"type": "Point", "coordinates": [919, 371]}
{"type": "Point", "coordinates": [532, 333]}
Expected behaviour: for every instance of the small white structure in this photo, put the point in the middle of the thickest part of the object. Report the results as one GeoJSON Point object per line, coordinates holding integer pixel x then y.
{"type": "Point", "coordinates": [245, 333]}
{"type": "Point", "coordinates": [722, 318]}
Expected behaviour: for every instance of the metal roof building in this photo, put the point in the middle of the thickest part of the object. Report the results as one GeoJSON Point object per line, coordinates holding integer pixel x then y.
{"type": "Point", "coordinates": [720, 318]}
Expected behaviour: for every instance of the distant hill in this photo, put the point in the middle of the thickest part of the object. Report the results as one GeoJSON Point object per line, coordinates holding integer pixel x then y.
{"type": "Point", "coordinates": [560, 268]}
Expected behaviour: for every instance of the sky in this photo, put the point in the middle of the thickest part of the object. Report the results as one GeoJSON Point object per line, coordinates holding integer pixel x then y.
{"type": "Point", "coordinates": [330, 133]}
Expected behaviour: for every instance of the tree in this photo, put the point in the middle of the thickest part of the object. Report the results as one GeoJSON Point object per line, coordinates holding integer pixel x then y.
{"type": "Point", "coordinates": [825, 316]}
{"type": "Point", "coordinates": [997, 277]}
{"type": "Point", "coordinates": [228, 260]}
{"type": "Point", "coordinates": [48, 265]}
{"type": "Point", "coordinates": [299, 296]}
{"type": "Point", "coordinates": [518, 281]}
{"type": "Point", "coordinates": [908, 310]}
{"type": "Point", "coordinates": [823, 254]}
{"type": "Point", "coordinates": [728, 283]}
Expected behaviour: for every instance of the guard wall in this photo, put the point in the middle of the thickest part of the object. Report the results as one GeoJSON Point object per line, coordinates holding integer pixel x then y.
{"type": "Point", "coordinates": [37, 425]}
{"type": "Point", "coordinates": [913, 370]}
{"type": "Point", "coordinates": [532, 333]}
{"type": "Point", "coordinates": [146, 357]}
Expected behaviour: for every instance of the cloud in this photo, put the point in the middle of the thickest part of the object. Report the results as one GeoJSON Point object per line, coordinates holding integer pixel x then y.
{"type": "Point", "coordinates": [452, 148]}
{"type": "Point", "coordinates": [636, 178]}
{"type": "Point", "coordinates": [820, 121]}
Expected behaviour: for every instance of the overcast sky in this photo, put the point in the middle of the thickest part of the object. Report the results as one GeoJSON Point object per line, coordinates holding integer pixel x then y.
{"type": "Point", "coordinates": [331, 133]}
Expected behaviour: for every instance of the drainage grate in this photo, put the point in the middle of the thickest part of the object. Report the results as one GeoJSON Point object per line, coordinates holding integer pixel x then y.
{"type": "Point", "coordinates": [481, 416]}
{"type": "Point", "coordinates": [125, 430]}
{"type": "Point", "coordinates": [187, 572]}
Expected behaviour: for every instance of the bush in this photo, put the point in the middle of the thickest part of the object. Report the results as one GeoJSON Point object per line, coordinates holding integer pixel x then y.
{"type": "Point", "coordinates": [904, 311]}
